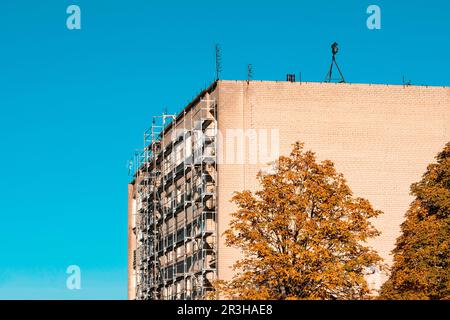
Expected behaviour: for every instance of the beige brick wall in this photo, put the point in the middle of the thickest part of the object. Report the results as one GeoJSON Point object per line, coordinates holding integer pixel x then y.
{"type": "Point", "coordinates": [381, 137]}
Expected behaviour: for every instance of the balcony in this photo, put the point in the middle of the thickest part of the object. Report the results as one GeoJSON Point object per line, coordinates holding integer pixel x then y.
{"type": "Point", "coordinates": [169, 208]}
{"type": "Point", "coordinates": [179, 169]}
{"type": "Point", "coordinates": [168, 148]}
{"type": "Point", "coordinates": [204, 155]}
{"type": "Point", "coordinates": [144, 178]}
{"type": "Point", "coordinates": [179, 203]}
{"type": "Point", "coordinates": [168, 178]}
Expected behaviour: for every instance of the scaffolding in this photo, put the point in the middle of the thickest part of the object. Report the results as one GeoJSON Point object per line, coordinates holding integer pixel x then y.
{"type": "Point", "coordinates": [176, 190]}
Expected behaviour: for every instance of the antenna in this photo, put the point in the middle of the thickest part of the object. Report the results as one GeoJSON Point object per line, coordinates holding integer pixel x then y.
{"type": "Point", "coordinates": [218, 61]}
{"type": "Point", "coordinates": [329, 78]}
{"type": "Point", "coordinates": [249, 73]}
{"type": "Point", "coordinates": [406, 83]}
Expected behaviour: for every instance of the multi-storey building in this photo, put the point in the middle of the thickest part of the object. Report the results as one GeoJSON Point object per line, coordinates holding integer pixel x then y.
{"type": "Point", "coordinates": [381, 137]}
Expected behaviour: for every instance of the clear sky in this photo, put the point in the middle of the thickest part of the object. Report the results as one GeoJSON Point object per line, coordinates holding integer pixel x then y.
{"type": "Point", "coordinates": [74, 105]}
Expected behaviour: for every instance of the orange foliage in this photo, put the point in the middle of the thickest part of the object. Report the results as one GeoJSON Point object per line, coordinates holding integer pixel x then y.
{"type": "Point", "coordinates": [422, 256]}
{"type": "Point", "coordinates": [302, 235]}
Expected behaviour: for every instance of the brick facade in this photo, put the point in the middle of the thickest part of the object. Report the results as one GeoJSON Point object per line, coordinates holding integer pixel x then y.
{"type": "Point", "coordinates": [381, 137]}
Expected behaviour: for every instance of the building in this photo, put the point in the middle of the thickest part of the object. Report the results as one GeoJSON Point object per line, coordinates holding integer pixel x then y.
{"type": "Point", "coordinates": [381, 137]}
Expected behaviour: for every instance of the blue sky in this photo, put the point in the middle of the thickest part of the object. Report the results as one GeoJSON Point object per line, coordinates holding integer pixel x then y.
{"type": "Point", "coordinates": [74, 104]}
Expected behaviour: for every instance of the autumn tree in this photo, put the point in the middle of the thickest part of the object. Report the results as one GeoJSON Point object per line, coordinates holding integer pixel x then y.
{"type": "Point", "coordinates": [421, 267]}
{"type": "Point", "coordinates": [302, 235]}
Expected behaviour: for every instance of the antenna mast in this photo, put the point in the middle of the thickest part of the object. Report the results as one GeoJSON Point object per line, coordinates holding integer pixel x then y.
{"type": "Point", "coordinates": [328, 78]}
{"type": "Point", "coordinates": [218, 62]}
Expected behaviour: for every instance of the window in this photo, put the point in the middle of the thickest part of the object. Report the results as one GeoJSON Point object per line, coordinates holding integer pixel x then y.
{"type": "Point", "coordinates": [179, 194]}
{"type": "Point", "coordinates": [179, 154]}
{"type": "Point", "coordinates": [180, 251]}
